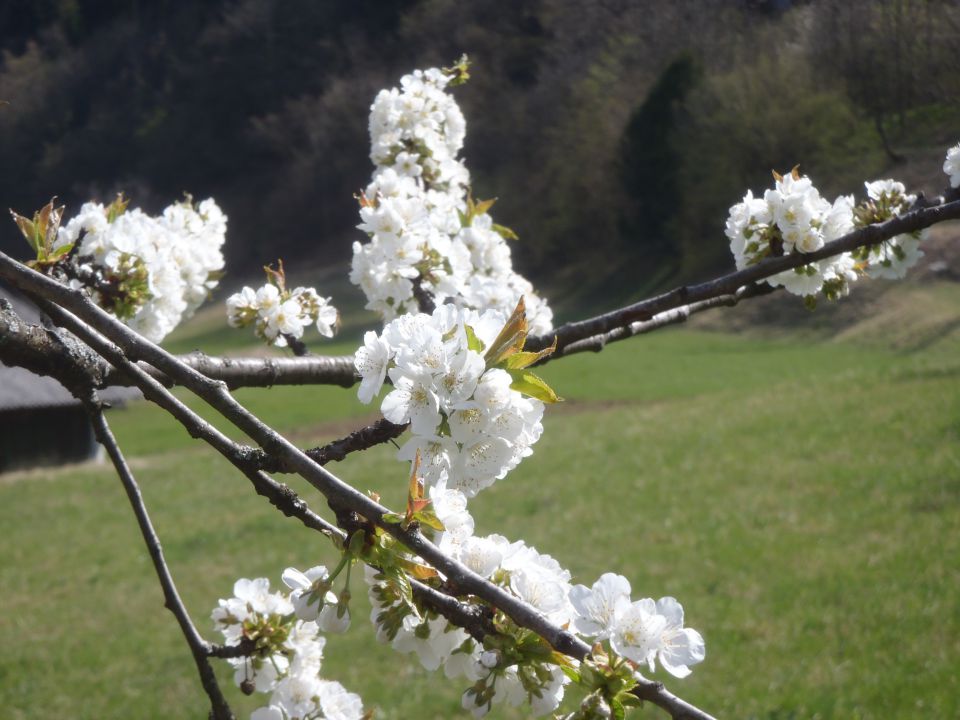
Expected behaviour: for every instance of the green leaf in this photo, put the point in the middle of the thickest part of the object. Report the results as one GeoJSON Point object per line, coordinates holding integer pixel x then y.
{"type": "Point", "coordinates": [357, 541]}
{"type": "Point", "coordinates": [117, 207]}
{"type": "Point", "coordinates": [392, 518]}
{"type": "Point", "coordinates": [504, 232]}
{"type": "Point", "coordinates": [571, 673]}
{"type": "Point", "coordinates": [403, 586]}
{"type": "Point", "coordinates": [521, 360]}
{"type": "Point", "coordinates": [473, 342]}
{"type": "Point", "coordinates": [61, 251]}
{"type": "Point", "coordinates": [481, 207]}
{"type": "Point", "coordinates": [429, 518]}
{"type": "Point", "coordinates": [617, 710]}
{"type": "Point", "coordinates": [533, 385]}
{"type": "Point", "coordinates": [460, 72]}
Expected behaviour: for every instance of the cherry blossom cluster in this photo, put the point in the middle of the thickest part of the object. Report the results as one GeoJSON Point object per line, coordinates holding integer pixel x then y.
{"type": "Point", "coordinates": [951, 165]}
{"type": "Point", "coordinates": [792, 217]}
{"type": "Point", "coordinates": [285, 658]}
{"type": "Point", "coordinates": [151, 272]}
{"type": "Point", "coordinates": [511, 667]}
{"type": "Point", "coordinates": [642, 630]}
{"type": "Point", "coordinates": [467, 422]}
{"type": "Point", "coordinates": [892, 258]}
{"type": "Point", "coordinates": [425, 230]}
{"type": "Point", "coordinates": [278, 314]}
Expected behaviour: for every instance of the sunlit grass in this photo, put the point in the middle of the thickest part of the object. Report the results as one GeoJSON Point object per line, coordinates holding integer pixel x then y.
{"type": "Point", "coordinates": [801, 500]}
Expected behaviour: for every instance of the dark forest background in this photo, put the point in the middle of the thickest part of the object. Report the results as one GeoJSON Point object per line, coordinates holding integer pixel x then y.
{"type": "Point", "coordinates": [616, 134]}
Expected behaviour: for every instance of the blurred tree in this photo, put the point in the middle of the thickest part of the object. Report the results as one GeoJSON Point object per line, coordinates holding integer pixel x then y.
{"type": "Point", "coordinates": [650, 163]}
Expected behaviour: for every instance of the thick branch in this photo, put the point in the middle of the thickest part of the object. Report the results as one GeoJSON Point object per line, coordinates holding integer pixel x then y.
{"type": "Point", "coordinates": [260, 372]}
{"type": "Point", "coordinates": [336, 491]}
{"type": "Point", "coordinates": [48, 353]}
{"type": "Point", "coordinates": [219, 709]}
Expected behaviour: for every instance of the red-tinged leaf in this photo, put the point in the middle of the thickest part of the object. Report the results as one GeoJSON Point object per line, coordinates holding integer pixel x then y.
{"type": "Point", "coordinates": [29, 231]}
{"type": "Point", "coordinates": [418, 505]}
{"type": "Point", "coordinates": [511, 337]}
{"type": "Point", "coordinates": [277, 277]}
{"type": "Point", "coordinates": [777, 176]}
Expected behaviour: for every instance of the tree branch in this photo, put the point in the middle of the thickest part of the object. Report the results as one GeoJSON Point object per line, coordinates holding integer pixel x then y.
{"type": "Point", "coordinates": [338, 493]}
{"type": "Point", "coordinates": [675, 316]}
{"type": "Point", "coordinates": [48, 353]}
{"type": "Point", "coordinates": [595, 332]}
{"type": "Point", "coordinates": [379, 432]}
{"type": "Point", "coordinates": [219, 709]}
{"type": "Point", "coordinates": [281, 496]}
{"type": "Point", "coordinates": [260, 372]}
{"type": "Point", "coordinates": [645, 310]}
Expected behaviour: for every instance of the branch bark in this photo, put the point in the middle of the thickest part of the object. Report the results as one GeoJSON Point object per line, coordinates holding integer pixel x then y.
{"type": "Point", "coordinates": [380, 432]}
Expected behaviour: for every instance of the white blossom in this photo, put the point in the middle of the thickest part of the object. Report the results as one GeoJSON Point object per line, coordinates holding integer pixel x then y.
{"type": "Point", "coordinates": [679, 647]}
{"type": "Point", "coordinates": [638, 631]}
{"type": "Point", "coordinates": [277, 313]}
{"type": "Point", "coordinates": [163, 267]}
{"type": "Point", "coordinates": [951, 165]}
{"type": "Point", "coordinates": [416, 214]}
{"type": "Point", "coordinates": [597, 607]}
{"type": "Point", "coordinates": [468, 425]}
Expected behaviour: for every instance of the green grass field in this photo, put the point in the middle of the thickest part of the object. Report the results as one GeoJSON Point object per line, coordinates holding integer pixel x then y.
{"type": "Point", "coordinates": [801, 499]}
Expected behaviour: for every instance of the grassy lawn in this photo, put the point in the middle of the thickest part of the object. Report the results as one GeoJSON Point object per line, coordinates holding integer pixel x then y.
{"type": "Point", "coordinates": [801, 499]}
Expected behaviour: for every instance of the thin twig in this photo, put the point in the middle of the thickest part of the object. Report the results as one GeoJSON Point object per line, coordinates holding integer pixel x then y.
{"type": "Point", "coordinates": [675, 316]}
{"type": "Point", "coordinates": [377, 433]}
{"type": "Point", "coordinates": [219, 709]}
